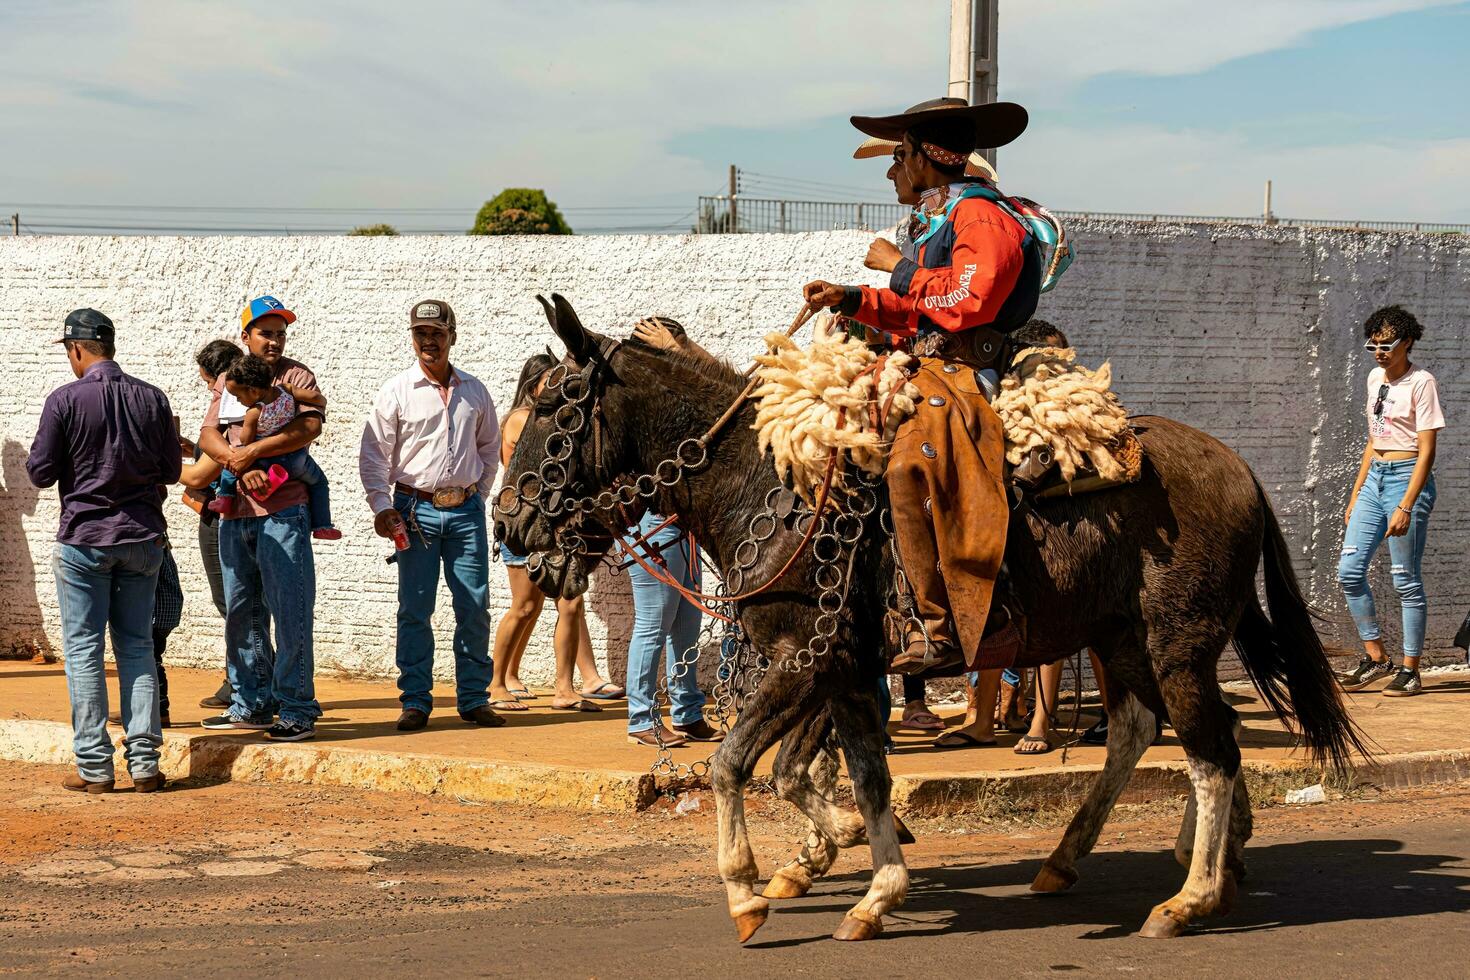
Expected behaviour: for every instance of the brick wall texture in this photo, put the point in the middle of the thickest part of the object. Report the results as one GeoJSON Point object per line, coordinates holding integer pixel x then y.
{"type": "Point", "coordinates": [1250, 334]}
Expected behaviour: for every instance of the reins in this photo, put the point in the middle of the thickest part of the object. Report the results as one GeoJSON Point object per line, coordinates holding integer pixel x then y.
{"type": "Point", "coordinates": [659, 571]}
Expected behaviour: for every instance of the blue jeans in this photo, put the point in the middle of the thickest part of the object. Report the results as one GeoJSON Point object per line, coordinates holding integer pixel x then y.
{"type": "Point", "coordinates": [665, 626]}
{"type": "Point", "coordinates": [268, 565]}
{"type": "Point", "coordinates": [1382, 492]}
{"type": "Point", "coordinates": [110, 590]}
{"type": "Point", "coordinates": [457, 541]}
{"type": "Point", "coordinates": [298, 466]}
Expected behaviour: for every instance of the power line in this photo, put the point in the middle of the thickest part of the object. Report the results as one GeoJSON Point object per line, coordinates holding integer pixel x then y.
{"type": "Point", "coordinates": [763, 178]}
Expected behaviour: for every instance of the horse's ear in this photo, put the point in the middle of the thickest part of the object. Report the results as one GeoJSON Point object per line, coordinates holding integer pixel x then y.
{"type": "Point", "coordinates": [564, 323]}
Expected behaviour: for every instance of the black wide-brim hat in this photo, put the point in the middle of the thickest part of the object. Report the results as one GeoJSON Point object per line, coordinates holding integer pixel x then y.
{"type": "Point", "coordinates": [996, 123]}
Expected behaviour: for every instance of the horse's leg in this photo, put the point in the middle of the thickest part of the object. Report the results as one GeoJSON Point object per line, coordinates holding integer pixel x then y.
{"type": "Point", "coordinates": [1184, 843]}
{"type": "Point", "coordinates": [806, 775]}
{"type": "Point", "coordinates": [775, 707]}
{"type": "Point", "coordinates": [1130, 730]}
{"type": "Point", "coordinates": [1241, 827]}
{"type": "Point", "coordinates": [860, 727]}
{"type": "Point", "coordinates": [1206, 727]}
{"type": "Point", "coordinates": [1242, 824]}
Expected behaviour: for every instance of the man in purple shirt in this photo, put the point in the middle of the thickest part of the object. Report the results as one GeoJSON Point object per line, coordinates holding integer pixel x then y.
{"type": "Point", "coordinates": [109, 442]}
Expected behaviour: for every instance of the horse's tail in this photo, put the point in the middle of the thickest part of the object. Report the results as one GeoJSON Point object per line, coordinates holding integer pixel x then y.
{"type": "Point", "coordinates": [1285, 660]}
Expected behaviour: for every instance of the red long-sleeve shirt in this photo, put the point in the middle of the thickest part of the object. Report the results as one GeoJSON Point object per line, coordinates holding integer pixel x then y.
{"type": "Point", "coordinates": [985, 261]}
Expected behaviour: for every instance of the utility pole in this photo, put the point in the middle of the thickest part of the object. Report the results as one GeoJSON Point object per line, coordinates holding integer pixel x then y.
{"type": "Point", "coordinates": [734, 216]}
{"type": "Point", "coordinates": [1269, 218]}
{"type": "Point", "coordinates": [974, 26]}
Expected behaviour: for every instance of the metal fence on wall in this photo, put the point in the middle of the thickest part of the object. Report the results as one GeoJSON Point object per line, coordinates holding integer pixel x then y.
{"type": "Point", "coordinates": [760, 215]}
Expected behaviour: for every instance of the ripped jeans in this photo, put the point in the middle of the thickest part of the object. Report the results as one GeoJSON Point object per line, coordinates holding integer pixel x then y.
{"type": "Point", "coordinates": [1366, 530]}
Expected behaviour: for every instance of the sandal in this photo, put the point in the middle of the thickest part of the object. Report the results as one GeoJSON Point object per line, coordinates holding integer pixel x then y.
{"type": "Point", "coordinates": [601, 692]}
{"type": "Point", "coordinates": [581, 704]}
{"type": "Point", "coordinates": [512, 705]}
{"type": "Point", "coordinates": [960, 740]}
{"type": "Point", "coordinates": [922, 721]}
{"type": "Point", "coordinates": [521, 694]}
{"type": "Point", "coordinates": [1032, 740]}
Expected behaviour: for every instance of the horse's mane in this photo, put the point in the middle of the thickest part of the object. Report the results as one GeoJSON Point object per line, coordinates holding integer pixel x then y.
{"type": "Point", "coordinates": [703, 379]}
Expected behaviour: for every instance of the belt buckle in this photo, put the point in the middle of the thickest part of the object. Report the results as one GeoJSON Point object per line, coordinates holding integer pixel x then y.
{"type": "Point", "coordinates": [448, 498]}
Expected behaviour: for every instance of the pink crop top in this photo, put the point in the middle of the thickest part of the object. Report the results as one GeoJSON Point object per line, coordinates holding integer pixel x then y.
{"type": "Point", "coordinates": [1410, 406]}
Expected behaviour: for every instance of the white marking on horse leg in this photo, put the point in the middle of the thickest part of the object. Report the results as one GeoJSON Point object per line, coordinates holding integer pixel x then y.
{"type": "Point", "coordinates": [890, 884]}
{"type": "Point", "coordinates": [1204, 888]}
{"type": "Point", "coordinates": [1130, 730]}
{"type": "Point", "coordinates": [737, 862]}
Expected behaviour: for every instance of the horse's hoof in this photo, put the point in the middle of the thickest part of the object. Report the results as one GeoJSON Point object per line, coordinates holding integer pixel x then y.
{"type": "Point", "coordinates": [1161, 925]}
{"type": "Point", "coordinates": [905, 836]}
{"type": "Point", "coordinates": [854, 930]}
{"type": "Point", "coordinates": [1051, 879]}
{"type": "Point", "coordinates": [746, 923]}
{"type": "Point", "coordinates": [784, 885]}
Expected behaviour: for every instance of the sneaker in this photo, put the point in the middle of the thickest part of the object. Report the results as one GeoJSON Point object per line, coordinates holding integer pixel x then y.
{"type": "Point", "coordinates": [1367, 672]}
{"type": "Point", "coordinates": [1405, 685]}
{"type": "Point", "coordinates": [290, 731]}
{"type": "Point", "coordinates": [1097, 734]}
{"type": "Point", "coordinates": [227, 722]}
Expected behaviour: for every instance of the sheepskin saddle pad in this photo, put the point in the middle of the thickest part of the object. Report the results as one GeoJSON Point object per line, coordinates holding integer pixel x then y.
{"type": "Point", "coordinates": [837, 395]}
{"type": "Point", "coordinates": [1049, 401]}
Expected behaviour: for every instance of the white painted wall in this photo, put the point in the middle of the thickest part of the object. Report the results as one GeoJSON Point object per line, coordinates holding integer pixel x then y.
{"type": "Point", "coordinates": [1250, 334]}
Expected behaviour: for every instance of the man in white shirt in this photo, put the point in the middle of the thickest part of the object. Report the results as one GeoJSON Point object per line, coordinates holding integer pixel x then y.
{"type": "Point", "coordinates": [428, 458]}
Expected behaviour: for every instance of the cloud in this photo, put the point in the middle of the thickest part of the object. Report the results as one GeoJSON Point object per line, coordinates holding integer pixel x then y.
{"type": "Point", "coordinates": [1153, 170]}
{"type": "Point", "coordinates": [1047, 46]}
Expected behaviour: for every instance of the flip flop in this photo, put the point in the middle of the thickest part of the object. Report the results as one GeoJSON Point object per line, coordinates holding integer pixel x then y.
{"type": "Point", "coordinates": [960, 740]}
{"type": "Point", "coordinates": [578, 705]}
{"type": "Point", "coordinates": [601, 693]}
{"type": "Point", "coordinates": [1033, 740]}
{"type": "Point", "coordinates": [511, 705]}
{"type": "Point", "coordinates": [922, 721]}
{"type": "Point", "coordinates": [521, 694]}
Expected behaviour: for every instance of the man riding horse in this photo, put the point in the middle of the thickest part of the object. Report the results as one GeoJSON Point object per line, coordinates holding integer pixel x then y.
{"type": "Point", "coordinates": [970, 273]}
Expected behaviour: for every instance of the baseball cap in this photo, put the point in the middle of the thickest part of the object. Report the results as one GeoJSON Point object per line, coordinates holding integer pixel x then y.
{"type": "Point", "coordinates": [262, 305]}
{"type": "Point", "coordinates": [87, 324]}
{"type": "Point", "coordinates": [434, 312]}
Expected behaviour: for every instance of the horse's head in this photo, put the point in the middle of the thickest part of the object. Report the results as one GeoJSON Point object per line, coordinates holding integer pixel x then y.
{"type": "Point", "coordinates": [566, 455]}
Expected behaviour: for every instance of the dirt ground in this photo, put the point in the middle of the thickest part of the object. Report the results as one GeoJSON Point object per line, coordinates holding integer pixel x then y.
{"type": "Point", "coordinates": [271, 880]}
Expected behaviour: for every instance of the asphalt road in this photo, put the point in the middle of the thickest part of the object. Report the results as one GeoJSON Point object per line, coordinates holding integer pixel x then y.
{"type": "Point", "coordinates": [267, 881]}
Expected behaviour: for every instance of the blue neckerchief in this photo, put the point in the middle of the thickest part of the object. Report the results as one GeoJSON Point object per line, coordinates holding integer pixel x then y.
{"type": "Point", "coordinates": [924, 224]}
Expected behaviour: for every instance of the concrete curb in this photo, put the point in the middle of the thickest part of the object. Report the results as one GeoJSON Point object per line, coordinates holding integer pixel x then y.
{"type": "Point", "coordinates": [1007, 794]}
{"type": "Point", "coordinates": [235, 758]}
{"type": "Point", "coordinates": [981, 795]}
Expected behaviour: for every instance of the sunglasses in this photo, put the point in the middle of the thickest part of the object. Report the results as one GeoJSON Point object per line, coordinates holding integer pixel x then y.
{"type": "Point", "coordinates": [1373, 348]}
{"type": "Point", "coordinates": [1378, 405]}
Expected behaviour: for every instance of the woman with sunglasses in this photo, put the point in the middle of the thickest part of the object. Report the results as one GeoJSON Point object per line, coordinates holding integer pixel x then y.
{"type": "Point", "coordinates": [1392, 498]}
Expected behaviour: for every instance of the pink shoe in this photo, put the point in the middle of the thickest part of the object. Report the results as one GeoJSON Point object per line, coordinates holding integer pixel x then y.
{"type": "Point", "coordinates": [276, 476]}
{"type": "Point", "coordinates": [327, 534]}
{"type": "Point", "coordinates": [222, 505]}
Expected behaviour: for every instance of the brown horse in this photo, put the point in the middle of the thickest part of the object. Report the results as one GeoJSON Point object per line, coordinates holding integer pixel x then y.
{"type": "Point", "coordinates": [1157, 577]}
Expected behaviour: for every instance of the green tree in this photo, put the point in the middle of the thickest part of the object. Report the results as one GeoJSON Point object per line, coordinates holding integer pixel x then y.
{"type": "Point", "coordinates": [374, 230]}
{"type": "Point", "coordinates": [520, 211]}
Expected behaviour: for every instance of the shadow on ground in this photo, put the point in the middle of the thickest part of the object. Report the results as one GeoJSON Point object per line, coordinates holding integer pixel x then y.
{"type": "Point", "coordinates": [1289, 885]}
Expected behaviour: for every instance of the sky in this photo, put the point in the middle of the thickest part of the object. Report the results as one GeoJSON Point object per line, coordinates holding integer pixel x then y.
{"type": "Point", "coordinates": [141, 114]}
